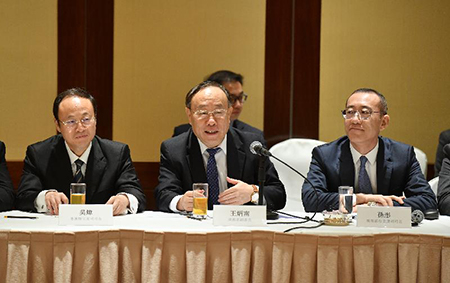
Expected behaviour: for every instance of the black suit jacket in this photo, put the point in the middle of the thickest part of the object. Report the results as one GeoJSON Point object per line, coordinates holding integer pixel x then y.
{"type": "Point", "coordinates": [109, 171]}
{"type": "Point", "coordinates": [444, 138]}
{"type": "Point", "coordinates": [235, 124]}
{"type": "Point", "coordinates": [6, 186]}
{"type": "Point", "coordinates": [443, 195]}
{"type": "Point", "coordinates": [182, 165]}
{"type": "Point", "coordinates": [398, 172]}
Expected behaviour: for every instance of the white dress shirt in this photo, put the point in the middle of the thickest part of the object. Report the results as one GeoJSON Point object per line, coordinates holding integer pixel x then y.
{"type": "Point", "coordinates": [221, 161]}
{"type": "Point", "coordinates": [371, 166]}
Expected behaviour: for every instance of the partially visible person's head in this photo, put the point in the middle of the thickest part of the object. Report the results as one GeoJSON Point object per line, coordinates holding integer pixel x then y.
{"type": "Point", "coordinates": [365, 117]}
{"type": "Point", "coordinates": [233, 83]}
{"type": "Point", "coordinates": [75, 112]}
{"type": "Point", "coordinates": [208, 108]}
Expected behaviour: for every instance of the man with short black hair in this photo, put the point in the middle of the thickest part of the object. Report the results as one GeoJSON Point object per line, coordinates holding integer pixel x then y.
{"type": "Point", "coordinates": [213, 152]}
{"type": "Point", "coordinates": [381, 170]}
{"type": "Point", "coordinates": [77, 154]}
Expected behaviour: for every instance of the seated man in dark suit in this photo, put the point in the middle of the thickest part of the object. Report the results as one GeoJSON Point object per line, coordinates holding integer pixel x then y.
{"type": "Point", "coordinates": [6, 186]}
{"type": "Point", "coordinates": [443, 194]}
{"type": "Point", "coordinates": [75, 155]}
{"type": "Point", "coordinates": [212, 146]}
{"type": "Point", "coordinates": [233, 83]}
{"type": "Point", "coordinates": [444, 138]}
{"type": "Point", "coordinates": [381, 170]}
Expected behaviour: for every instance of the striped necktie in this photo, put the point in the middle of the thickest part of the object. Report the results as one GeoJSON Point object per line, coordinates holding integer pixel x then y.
{"type": "Point", "coordinates": [78, 178]}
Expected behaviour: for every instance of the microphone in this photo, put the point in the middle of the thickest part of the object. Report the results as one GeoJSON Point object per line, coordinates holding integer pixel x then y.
{"type": "Point", "coordinates": [257, 148]}
{"type": "Point", "coordinates": [416, 217]}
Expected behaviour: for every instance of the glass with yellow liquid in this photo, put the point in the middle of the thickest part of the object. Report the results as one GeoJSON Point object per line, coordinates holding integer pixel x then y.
{"type": "Point", "coordinates": [200, 195]}
{"type": "Point", "coordinates": [78, 193]}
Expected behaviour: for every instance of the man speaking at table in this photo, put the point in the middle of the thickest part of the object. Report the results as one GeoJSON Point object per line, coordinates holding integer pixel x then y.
{"type": "Point", "coordinates": [78, 155]}
{"type": "Point", "coordinates": [212, 152]}
{"type": "Point", "coordinates": [382, 169]}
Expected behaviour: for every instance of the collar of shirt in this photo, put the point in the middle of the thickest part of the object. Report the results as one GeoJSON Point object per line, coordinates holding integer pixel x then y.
{"type": "Point", "coordinates": [222, 145]}
{"type": "Point", "coordinates": [73, 157]}
{"type": "Point", "coordinates": [371, 167]}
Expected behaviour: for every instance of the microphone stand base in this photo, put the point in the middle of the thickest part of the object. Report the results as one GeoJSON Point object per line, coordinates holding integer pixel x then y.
{"type": "Point", "coordinates": [272, 215]}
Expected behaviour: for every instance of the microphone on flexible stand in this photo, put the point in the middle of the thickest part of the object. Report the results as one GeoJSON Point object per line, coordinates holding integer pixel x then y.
{"type": "Point", "coordinates": [257, 148]}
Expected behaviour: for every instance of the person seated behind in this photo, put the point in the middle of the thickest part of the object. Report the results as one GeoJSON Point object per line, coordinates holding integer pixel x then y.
{"type": "Point", "coordinates": [78, 155]}
{"type": "Point", "coordinates": [6, 186]}
{"type": "Point", "coordinates": [233, 83]}
{"type": "Point", "coordinates": [443, 194]}
{"type": "Point", "coordinates": [380, 169]}
{"type": "Point", "coordinates": [444, 138]}
{"type": "Point", "coordinates": [212, 146]}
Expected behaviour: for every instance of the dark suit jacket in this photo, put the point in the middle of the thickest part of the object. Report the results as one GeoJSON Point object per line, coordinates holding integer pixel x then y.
{"type": "Point", "coordinates": [398, 172]}
{"type": "Point", "coordinates": [444, 138]}
{"type": "Point", "coordinates": [6, 186]}
{"type": "Point", "coordinates": [182, 165]}
{"type": "Point", "coordinates": [443, 195]}
{"type": "Point", "coordinates": [109, 171]}
{"type": "Point", "coordinates": [235, 124]}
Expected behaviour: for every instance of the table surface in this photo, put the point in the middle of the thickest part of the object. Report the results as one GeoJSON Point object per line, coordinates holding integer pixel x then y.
{"type": "Point", "coordinates": [171, 222]}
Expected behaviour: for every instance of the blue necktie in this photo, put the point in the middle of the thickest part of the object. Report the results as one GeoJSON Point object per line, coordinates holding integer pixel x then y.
{"type": "Point", "coordinates": [78, 178]}
{"type": "Point", "coordinates": [212, 176]}
{"type": "Point", "coordinates": [363, 178]}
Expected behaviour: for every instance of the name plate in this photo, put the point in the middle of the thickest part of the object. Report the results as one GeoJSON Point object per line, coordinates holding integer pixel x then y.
{"type": "Point", "coordinates": [86, 214]}
{"type": "Point", "coordinates": [239, 215]}
{"type": "Point", "coordinates": [384, 216]}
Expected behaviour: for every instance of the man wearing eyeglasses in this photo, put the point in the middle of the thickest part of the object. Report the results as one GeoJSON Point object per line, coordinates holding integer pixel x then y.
{"type": "Point", "coordinates": [77, 155]}
{"type": "Point", "coordinates": [213, 152]}
{"type": "Point", "coordinates": [381, 170]}
{"type": "Point", "coordinates": [233, 83]}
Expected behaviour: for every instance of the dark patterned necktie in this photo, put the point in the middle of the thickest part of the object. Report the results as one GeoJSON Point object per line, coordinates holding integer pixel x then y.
{"type": "Point", "coordinates": [78, 178]}
{"type": "Point", "coordinates": [212, 175]}
{"type": "Point", "coordinates": [363, 178]}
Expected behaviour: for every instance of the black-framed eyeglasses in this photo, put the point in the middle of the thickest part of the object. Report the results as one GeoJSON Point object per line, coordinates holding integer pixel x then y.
{"type": "Point", "coordinates": [241, 97]}
{"type": "Point", "coordinates": [86, 121]}
{"type": "Point", "coordinates": [364, 114]}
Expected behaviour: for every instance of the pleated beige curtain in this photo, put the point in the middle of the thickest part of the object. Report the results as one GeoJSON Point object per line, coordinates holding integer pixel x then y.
{"type": "Point", "coordinates": [253, 256]}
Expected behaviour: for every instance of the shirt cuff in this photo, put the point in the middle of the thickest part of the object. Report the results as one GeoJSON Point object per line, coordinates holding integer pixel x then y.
{"type": "Point", "coordinates": [174, 202]}
{"type": "Point", "coordinates": [134, 204]}
{"type": "Point", "coordinates": [39, 201]}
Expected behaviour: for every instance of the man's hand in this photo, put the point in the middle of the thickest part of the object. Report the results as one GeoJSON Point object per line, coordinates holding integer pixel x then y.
{"type": "Point", "coordinates": [120, 204]}
{"type": "Point", "coordinates": [379, 199]}
{"type": "Point", "coordinates": [239, 194]}
{"type": "Point", "coordinates": [53, 199]}
{"type": "Point", "coordinates": [186, 202]}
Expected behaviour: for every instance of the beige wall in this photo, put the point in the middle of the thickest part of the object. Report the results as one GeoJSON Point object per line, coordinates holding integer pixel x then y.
{"type": "Point", "coordinates": [163, 48]}
{"type": "Point", "coordinates": [28, 63]}
{"type": "Point", "coordinates": [402, 49]}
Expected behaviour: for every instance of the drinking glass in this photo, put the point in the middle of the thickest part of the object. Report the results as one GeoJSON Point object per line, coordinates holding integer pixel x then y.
{"type": "Point", "coordinates": [77, 193]}
{"type": "Point", "coordinates": [200, 195]}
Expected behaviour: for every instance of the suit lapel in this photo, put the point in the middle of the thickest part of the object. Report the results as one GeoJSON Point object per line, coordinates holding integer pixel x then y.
{"type": "Point", "coordinates": [63, 170]}
{"type": "Point", "coordinates": [95, 169]}
{"type": "Point", "coordinates": [195, 160]}
{"type": "Point", "coordinates": [235, 156]}
{"type": "Point", "coordinates": [384, 168]}
{"type": "Point", "coordinates": [346, 166]}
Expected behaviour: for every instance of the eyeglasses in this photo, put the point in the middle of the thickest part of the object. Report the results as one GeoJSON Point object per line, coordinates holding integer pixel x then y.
{"type": "Point", "coordinates": [241, 97]}
{"type": "Point", "coordinates": [204, 114]}
{"type": "Point", "coordinates": [87, 121]}
{"type": "Point", "coordinates": [364, 114]}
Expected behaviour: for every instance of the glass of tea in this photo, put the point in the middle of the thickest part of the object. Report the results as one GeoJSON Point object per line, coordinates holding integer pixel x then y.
{"type": "Point", "coordinates": [200, 195]}
{"type": "Point", "coordinates": [77, 193]}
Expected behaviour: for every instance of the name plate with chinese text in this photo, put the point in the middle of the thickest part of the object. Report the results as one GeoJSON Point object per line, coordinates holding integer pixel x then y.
{"type": "Point", "coordinates": [239, 215]}
{"type": "Point", "coordinates": [86, 214]}
{"type": "Point", "coordinates": [383, 216]}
